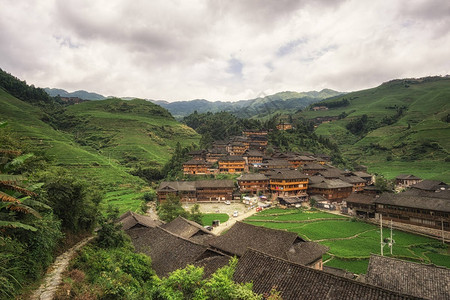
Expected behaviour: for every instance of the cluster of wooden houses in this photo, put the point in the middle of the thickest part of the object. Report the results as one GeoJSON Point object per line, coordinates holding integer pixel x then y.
{"type": "Point", "coordinates": [278, 259]}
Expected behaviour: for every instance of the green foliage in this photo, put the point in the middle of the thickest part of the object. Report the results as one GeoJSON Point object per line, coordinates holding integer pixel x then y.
{"type": "Point", "coordinates": [113, 273]}
{"type": "Point", "coordinates": [195, 214]}
{"type": "Point", "coordinates": [208, 218]}
{"type": "Point", "coordinates": [73, 200]}
{"type": "Point", "coordinates": [110, 235]}
{"type": "Point", "coordinates": [171, 209]}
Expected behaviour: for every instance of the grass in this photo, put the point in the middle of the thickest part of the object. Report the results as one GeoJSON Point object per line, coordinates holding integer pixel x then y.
{"type": "Point", "coordinates": [351, 243]}
{"type": "Point", "coordinates": [208, 218]}
{"type": "Point", "coordinates": [404, 141]}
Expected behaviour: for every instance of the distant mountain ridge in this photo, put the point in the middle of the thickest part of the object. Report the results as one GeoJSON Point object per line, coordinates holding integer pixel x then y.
{"type": "Point", "coordinates": [258, 107]}
{"type": "Point", "coordinates": [79, 94]}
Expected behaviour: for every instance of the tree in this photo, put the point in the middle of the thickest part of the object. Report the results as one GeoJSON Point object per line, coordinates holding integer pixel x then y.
{"type": "Point", "coordinates": [171, 209]}
{"type": "Point", "coordinates": [195, 214]}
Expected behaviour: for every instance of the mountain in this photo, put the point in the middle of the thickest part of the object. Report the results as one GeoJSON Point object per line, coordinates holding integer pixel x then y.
{"type": "Point", "coordinates": [258, 107]}
{"type": "Point", "coordinates": [79, 94]}
{"type": "Point", "coordinates": [101, 141]}
{"type": "Point", "coordinates": [401, 126]}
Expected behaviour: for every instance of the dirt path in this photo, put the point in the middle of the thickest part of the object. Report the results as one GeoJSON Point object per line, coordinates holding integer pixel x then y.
{"type": "Point", "coordinates": [53, 277]}
{"type": "Point", "coordinates": [345, 238]}
{"type": "Point", "coordinates": [224, 226]}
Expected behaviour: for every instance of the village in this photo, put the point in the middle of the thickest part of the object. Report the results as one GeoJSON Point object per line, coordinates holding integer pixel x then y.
{"type": "Point", "coordinates": [282, 259]}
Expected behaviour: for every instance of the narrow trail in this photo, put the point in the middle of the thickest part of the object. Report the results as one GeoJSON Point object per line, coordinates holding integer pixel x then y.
{"type": "Point", "coordinates": [53, 277]}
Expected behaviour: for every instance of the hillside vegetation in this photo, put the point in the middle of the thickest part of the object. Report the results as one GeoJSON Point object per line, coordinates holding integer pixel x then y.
{"type": "Point", "coordinates": [101, 141]}
{"type": "Point", "coordinates": [399, 127]}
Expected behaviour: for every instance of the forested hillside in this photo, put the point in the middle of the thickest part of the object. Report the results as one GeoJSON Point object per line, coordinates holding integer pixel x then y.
{"type": "Point", "coordinates": [102, 141]}
{"type": "Point", "coordinates": [402, 126]}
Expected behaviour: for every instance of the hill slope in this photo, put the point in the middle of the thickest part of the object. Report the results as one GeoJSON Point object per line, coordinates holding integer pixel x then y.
{"type": "Point", "coordinates": [399, 127]}
{"type": "Point", "coordinates": [80, 94]}
{"type": "Point", "coordinates": [259, 107]}
{"type": "Point", "coordinates": [111, 133]}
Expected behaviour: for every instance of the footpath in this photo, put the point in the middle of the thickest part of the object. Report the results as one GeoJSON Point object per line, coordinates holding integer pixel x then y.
{"type": "Point", "coordinates": [54, 274]}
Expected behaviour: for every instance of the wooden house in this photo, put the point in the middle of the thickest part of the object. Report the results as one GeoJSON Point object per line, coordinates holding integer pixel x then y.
{"type": "Point", "coordinates": [253, 183]}
{"type": "Point", "coordinates": [253, 157]}
{"type": "Point", "coordinates": [288, 183]}
{"type": "Point", "coordinates": [189, 230]}
{"type": "Point", "coordinates": [232, 164]}
{"type": "Point", "coordinates": [312, 168]}
{"type": "Point", "coordinates": [183, 189]}
{"type": "Point", "coordinates": [361, 204]}
{"type": "Point", "coordinates": [423, 209]}
{"type": "Point", "coordinates": [366, 176]}
{"type": "Point", "coordinates": [131, 220]}
{"type": "Point", "coordinates": [214, 190]}
{"type": "Point", "coordinates": [252, 132]}
{"type": "Point", "coordinates": [430, 185]}
{"type": "Point", "coordinates": [282, 126]}
{"type": "Point", "coordinates": [279, 243]}
{"type": "Point", "coordinates": [214, 154]}
{"type": "Point", "coordinates": [295, 281]}
{"type": "Point", "coordinates": [405, 180]}
{"type": "Point", "coordinates": [196, 167]}
{"type": "Point", "coordinates": [292, 201]}
{"type": "Point", "coordinates": [237, 148]}
{"type": "Point", "coordinates": [300, 160]}
{"type": "Point", "coordinates": [334, 190]}
{"type": "Point", "coordinates": [357, 182]}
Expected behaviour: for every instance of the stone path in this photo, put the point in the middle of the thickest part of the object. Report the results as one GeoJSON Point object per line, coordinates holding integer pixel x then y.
{"type": "Point", "coordinates": [54, 273]}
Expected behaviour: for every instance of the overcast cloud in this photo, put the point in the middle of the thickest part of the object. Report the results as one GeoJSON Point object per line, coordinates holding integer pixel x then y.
{"type": "Point", "coordinates": [221, 50]}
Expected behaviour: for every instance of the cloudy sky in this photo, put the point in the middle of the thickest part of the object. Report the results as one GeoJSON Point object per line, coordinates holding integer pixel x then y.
{"type": "Point", "coordinates": [221, 49]}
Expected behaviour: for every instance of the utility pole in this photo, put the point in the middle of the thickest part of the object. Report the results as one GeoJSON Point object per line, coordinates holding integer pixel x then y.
{"type": "Point", "coordinates": [381, 233]}
{"type": "Point", "coordinates": [391, 242]}
{"type": "Point", "coordinates": [442, 230]}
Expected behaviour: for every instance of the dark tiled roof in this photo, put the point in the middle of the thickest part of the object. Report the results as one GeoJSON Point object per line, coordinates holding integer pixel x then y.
{"type": "Point", "coordinates": [407, 177]}
{"type": "Point", "coordinates": [212, 263]}
{"type": "Point", "coordinates": [177, 186]}
{"type": "Point", "coordinates": [302, 158]}
{"type": "Point", "coordinates": [252, 176]}
{"type": "Point", "coordinates": [420, 280]}
{"type": "Point", "coordinates": [187, 229]}
{"type": "Point", "coordinates": [287, 174]}
{"type": "Point", "coordinates": [315, 179]}
{"type": "Point", "coordinates": [331, 173]}
{"type": "Point", "coordinates": [331, 184]}
{"type": "Point", "coordinates": [352, 179]}
{"type": "Point", "coordinates": [277, 162]}
{"type": "Point", "coordinates": [279, 243]}
{"type": "Point", "coordinates": [406, 200]}
{"type": "Point", "coordinates": [131, 220]}
{"type": "Point", "coordinates": [231, 158]}
{"type": "Point", "coordinates": [441, 194]}
{"type": "Point", "coordinates": [429, 185]}
{"type": "Point", "coordinates": [253, 153]}
{"type": "Point", "coordinates": [197, 162]}
{"type": "Point", "coordinates": [313, 166]}
{"type": "Point", "coordinates": [361, 198]}
{"type": "Point", "coordinates": [361, 174]}
{"type": "Point", "coordinates": [295, 281]}
{"type": "Point", "coordinates": [167, 251]}
{"type": "Point", "coordinates": [214, 183]}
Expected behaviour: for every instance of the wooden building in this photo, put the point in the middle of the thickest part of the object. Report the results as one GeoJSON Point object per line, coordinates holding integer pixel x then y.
{"type": "Point", "coordinates": [300, 160]}
{"type": "Point", "coordinates": [183, 189]}
{"type": "Point", "coordinates": [430, 209]}
{"type": "Point", "coordinates": [288, 182]}
{"type": "Point", "coordinates": [253, 183]}
{"type": "Point", "coordinates": [405, 180]}
{"type": "Point", "coordinates": [357, 182]}
{"type": "Point", "coordinates": [196, 167]}
{"type": "Point", "coordinates": [214, 154]}
{"type": "Point", "coordinates": [361, 204]}
{"type": "Point", "coordinates": [231, 164]}
{"type": "Point", "coordinates": [364, 175]}
{"type": "Point", "coordinates": [311, 169]}
{"type": "Point", "coordinates": [252, 132]}
{"type": "Point", "coordinates": [237, 148]}
{"type": "Point", "coordinates": [253, 157]}
{"type": "Point", "coordinates": [334, 190]}
{"type": "Point", "coordinates": [284, 126]}
{"type": "Point", "coordinates": [214, 190]}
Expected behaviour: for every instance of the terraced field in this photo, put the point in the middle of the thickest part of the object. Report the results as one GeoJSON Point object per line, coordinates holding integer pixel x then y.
{"type": "Point", "coordinates": [351, 242]}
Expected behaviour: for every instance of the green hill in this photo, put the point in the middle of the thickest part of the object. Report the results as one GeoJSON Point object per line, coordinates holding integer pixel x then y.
{"type": "Point", "coordinates": [101, 141]}
{"type": "Point", "coordinates": [399, 127]}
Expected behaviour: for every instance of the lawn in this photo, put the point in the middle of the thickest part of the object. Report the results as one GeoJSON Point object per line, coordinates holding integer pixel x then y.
{"type": "Point", "coordinates": [352, 242]}
{"type": "Point", "coordinates": [208, 218]}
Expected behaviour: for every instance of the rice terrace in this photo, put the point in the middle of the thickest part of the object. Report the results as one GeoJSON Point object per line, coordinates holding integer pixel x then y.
{"type": "Point", "coordinates": [351, 241]}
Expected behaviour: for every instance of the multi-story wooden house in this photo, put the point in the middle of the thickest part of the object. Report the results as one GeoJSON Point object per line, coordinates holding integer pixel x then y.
{"type": "Point", "coordinates": [214, 154]}
{"type": "Point", "coordinates": [284, 126]}
{"type": "Point", "coordinates": [288, 182]}
{"type": "Point", "coordinates": [300, 160]}
{"type": "Point", "coordinates": [364, 175]}
{"type": "Point", "coordinates": [250, 132]}
{"type": "Point", "coordinates": [214, 190]}
{"type": "Point", "coordinates": [334, 190]}
{"type": "Point", "coordinates": [311, 169]}
{"type": "Point", "coordinates": [361, 204]}
{"type": "Point", "coordinates": [253, 183]}
{"type": "Point", "coordinates": [231, 164]}
{"type": "Point", "coordinates": [237, 148]}
{"type": "Point", "coordinates": [196, 167]}
{"type": "Point", "coordinates": [253, 157]}
{"type": "Point", "coordinates": [357, 182]}
{"type": "Point", "coordinates": [201, 190]}
{"type": "Point", "coordinates": [430, 209]}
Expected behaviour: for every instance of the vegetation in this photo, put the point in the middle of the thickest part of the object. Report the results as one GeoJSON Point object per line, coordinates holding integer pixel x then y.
{"type": "Point", "coordinates": [397, 128]}
{"type": "Point", "coordinates": [207, 219]}
{"type": "Point", "coordinates": [172, 209]}
{"type": "Point", "coordinates": [350, 241]}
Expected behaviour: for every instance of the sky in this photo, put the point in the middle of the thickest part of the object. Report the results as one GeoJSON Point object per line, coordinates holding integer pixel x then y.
{"type": "Point", "coordinates": [223, 50]}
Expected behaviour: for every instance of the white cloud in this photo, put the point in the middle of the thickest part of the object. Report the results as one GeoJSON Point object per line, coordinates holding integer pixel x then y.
{"type": "Point", "coordinates": [221, 50]}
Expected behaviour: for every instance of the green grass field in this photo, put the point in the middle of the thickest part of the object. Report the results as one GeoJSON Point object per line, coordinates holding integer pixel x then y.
{"type": "Point", "coordinates": [351, 242]}
{"type": "Point", "coordinates": [208, 218]}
